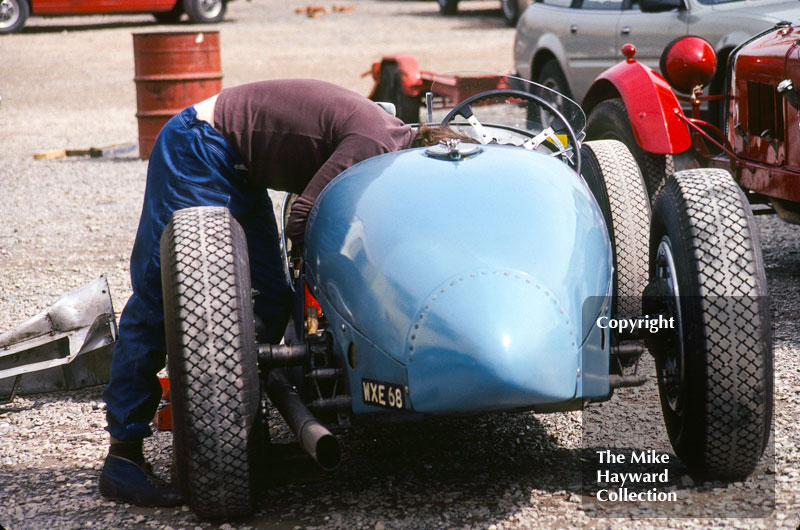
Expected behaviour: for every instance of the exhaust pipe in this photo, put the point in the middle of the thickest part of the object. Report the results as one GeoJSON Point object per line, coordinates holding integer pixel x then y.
{"type": "Point", "coordinates": [315, 439]}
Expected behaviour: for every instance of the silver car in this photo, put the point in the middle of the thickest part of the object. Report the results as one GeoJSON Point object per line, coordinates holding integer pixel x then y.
{"type": "Point", "coordinates": [565, 44]}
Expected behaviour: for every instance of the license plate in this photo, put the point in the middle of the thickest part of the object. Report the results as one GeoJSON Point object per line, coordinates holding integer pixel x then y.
{"type": "Point", "coordinates": [386, 395]}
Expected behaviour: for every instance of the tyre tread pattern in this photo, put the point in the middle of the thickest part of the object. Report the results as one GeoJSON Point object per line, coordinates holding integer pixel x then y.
{"type": "Point", "coordinates": [212, 362]}
{"type": "Point", "coordinates": [630, 219]}
{"type": "Point", "coordinates": [610, 120]}
{"type": "Point", "coordinates": [724, 246]}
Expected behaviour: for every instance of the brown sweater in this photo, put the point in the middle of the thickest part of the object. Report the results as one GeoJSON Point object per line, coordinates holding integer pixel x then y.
{"type": "Point", "coordinates": [296, 135]}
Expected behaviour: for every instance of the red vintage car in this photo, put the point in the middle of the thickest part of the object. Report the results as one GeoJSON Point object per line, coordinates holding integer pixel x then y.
{"type": "Point", "coordinates": [14, 13]}
{"type": "Point", "coordinates": [757, 139]}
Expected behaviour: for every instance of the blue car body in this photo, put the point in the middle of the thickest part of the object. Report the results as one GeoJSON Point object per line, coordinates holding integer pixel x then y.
{"type": "Point", "coordinates": [463, 286]}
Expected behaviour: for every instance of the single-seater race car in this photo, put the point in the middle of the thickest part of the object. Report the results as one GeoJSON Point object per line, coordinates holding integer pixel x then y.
{"type": "Point", "coordinates": [468, 278]}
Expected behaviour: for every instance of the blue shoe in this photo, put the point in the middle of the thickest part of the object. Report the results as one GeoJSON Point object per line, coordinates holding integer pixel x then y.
{"type": "Point", "coordinates": [134, 483]}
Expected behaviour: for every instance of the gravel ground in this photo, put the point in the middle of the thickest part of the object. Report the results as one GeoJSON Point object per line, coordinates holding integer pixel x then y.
{"type": "Point", "coordinates": [68, 83]}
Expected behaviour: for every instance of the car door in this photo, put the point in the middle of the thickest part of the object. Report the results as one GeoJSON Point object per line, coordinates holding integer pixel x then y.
{"type": "Point", "coordinates": [591, 44]}
{"type": "Point", "coordinates": [111, 6]}
{"type": "Point", "coordinates": [649, 32]}
{"type": "Point", "coordinates": [50, 7]}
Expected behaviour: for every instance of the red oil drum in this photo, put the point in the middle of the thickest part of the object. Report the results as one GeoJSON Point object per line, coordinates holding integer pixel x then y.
{"type": "Point", "coordinates": [172, 71]}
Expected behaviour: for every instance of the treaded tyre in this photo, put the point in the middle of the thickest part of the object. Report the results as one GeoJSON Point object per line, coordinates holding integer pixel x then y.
{"type": "Point", "coordinates": [552, 77]}
{"type": "Point", "coordinates": [609, 121]}
{"type": "Point", "coordinates": [391, 90]}
{"type": "Point", "coordinates": [205, 11]}
{"type": "Point", "coordinates": [212, 360]}
{"type": "Point", "coordinates": [510, 10]}
{"type": "Point", "coordinates": [448, 7]}
{"type": "Point", "coordinates": [715, 376]}
{"type": "Point", "coordinates": [614, 179]}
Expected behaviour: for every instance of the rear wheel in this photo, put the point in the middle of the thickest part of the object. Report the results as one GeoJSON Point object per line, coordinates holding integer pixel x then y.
{"type": "Point", "coordinates": [510, 11]}
{"type": "Point", "coordinates": [715, 367]}
{"type": "Point", "coordinates": [170, 17]}
{"type": "Point", "coordinates": [551, 76]}
{"type": "Point", "coordinates": [614, 179]}
{"type": "Point", "coordinates": [205, 11]}
{"type": "Point", "coordinates": [213, 367]}
{"type": "Point", "coordinates": [13, 14]}
{"type": "Point", "coordinates": [609, 121]}
{"type": "Point", "coordinates": [448, 7]}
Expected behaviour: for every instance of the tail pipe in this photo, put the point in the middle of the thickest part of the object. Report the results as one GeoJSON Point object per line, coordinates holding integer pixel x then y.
{"type": "Point", "coordinates": [280, 355]}
{"type": "Point", "coordinates": [315, 439]}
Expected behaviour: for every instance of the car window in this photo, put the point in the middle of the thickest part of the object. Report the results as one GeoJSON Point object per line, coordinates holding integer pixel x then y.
{"type": "Point", "coordinates": [602, 4]}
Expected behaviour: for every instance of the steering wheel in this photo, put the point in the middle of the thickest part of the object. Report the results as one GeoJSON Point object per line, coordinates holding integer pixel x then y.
{"type": "Point", "coordinates": [465, 109]}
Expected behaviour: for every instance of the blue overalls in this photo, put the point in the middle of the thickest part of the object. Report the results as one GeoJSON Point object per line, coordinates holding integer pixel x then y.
{"type": "Point", "coordinates": [191, 165]}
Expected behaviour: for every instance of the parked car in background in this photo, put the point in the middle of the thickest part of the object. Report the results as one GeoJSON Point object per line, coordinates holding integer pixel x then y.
{"type": "Point", "coordinates": [14, 13]}
{"type": "Point", "coordinates": [759, 143]}
{"type": "Point", "coordinates": [565, 44]}
{"type": "Point", "coordinates": [511, 8]}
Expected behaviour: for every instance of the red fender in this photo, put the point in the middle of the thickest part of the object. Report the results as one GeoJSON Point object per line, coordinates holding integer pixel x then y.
{"type": "Point", "coordinates": [653, 109]}
{"type": "Point", "coordinates": [410, 75]}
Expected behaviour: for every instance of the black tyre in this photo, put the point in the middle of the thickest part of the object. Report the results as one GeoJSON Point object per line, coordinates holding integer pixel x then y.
{"type": "Point", "coordinates": [205, 11]}
{"type": "Point", "coordinates": [613, 176]}
{"type": "Point", "coordinates": [510, 11]}
{"type": "Point", "coordinates": [212, 362]}
{"type": "Point", "coordinates": [448, 7]}
{"type": "Point", "coordinates": [391, 90]}
{"type": "Point", "coordinates": [609, 121]}
{"type": "Point", "coordinates": [13, 14]}
{"type": "Point", "coordinates": [715, 368]}
{"type": "Point", "coordinates": [551, 76]}
{"type": "Point", "coordinates": [170, 17]}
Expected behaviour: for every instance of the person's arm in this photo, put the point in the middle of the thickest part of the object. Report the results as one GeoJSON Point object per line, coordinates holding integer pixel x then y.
{"type": "Point", "coordinates": [353, 149]}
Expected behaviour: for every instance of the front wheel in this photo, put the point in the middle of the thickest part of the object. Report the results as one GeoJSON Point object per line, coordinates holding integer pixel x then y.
{"type": "Point", "coordinates": [609, 121]}
{"type": "Point", "coordinates": [715, 365]}
{"type": "Point", "coordinates": [205, 11]}
{"type": "Point", "coordinates": [614, 179]}
{"type": "Point", "coordinates": [13, 14]}
{"type": "Point", "coordinates": [212, 360]}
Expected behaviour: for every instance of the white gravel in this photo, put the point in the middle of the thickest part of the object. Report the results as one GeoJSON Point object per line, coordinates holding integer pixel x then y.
{"type": "Point", "coordinates": [67, 82]}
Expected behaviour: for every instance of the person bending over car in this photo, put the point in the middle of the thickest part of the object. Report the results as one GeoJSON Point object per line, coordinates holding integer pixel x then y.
{"type": "Point", "coordinates": [287, 135]}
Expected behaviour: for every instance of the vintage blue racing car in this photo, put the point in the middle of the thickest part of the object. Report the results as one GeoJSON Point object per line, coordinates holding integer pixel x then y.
{"type": "Point", "coordinates": [521, 272]}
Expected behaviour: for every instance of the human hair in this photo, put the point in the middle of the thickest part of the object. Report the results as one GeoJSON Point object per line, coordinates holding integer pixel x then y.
{"type": "Point", "coordinates": [433, 134]}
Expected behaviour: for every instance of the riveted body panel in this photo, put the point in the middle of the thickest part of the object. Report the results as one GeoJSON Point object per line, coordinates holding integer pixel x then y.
{"type": "Point", "coordinates": [470, 274]}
